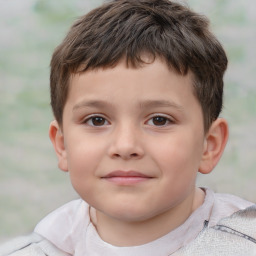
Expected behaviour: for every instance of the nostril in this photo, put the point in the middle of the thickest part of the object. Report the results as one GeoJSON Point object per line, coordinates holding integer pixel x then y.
{"type": "Point", "coordinates": [125, 148]}
{"type": "Point", "coordinates": [131, 155]}
{"type": "Point", "coordinates": [126, 156]}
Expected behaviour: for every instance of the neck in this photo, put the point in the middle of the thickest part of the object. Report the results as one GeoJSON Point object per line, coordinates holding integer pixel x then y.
{"type": "Point", "coordinates": [128, 233]}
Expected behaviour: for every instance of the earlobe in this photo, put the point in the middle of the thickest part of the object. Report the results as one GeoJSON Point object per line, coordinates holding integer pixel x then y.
{"type": "Point", "coordinates": [57, 139]}
{"type": "Point", "coordinates": [215, 142]}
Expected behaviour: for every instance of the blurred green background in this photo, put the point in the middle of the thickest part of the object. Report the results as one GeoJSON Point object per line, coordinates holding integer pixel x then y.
{"type": "Point", "coordinates": [30, 183]}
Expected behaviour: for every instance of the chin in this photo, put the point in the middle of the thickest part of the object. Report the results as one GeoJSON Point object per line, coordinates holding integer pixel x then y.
{"type": "Point", "coordinates": [130, 214]}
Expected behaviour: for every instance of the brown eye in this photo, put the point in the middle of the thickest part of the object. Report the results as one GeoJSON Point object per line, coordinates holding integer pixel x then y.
{"type": "Point", "coordinates": [96, 121]}
{"type": "Point", "coordinates": [159, 120]}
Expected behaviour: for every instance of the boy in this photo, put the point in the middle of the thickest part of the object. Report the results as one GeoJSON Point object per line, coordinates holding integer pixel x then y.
{"type": "Point", "coordinates": [136, 91]}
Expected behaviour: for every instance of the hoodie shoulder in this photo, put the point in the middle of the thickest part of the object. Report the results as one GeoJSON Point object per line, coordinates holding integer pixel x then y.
{"type": "Point", "coordinates": [32, 245]}
{"type": "Point", "coordinates": [234, 235]}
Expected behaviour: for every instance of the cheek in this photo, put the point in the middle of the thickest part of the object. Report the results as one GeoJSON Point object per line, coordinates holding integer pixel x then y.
{"type": "Point", "coordinates": [81, 166]}
{"type": "Point", "coordinates": [83, 158]}
{"type": "Point", "coordinates": [179, 155]}
{"type": "Point", "coordinates": [179, 163]}
{"type": "Point", "coordinates": [82, 150]}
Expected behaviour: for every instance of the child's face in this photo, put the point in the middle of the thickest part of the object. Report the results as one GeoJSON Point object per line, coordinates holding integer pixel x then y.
{"type": "Point", "coordinates": [133, 140]}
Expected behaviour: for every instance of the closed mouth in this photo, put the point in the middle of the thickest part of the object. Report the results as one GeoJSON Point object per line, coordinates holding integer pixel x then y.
{"type": "Point", "coordinates": [126, 174]}
{"type": "Point", "coordinates": [126, 178]}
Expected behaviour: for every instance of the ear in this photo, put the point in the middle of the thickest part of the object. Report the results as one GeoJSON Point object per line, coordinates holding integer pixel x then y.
{"type": "Point", "coordinates": [57, 138]}
{"type": "Point", "coordinates": [215, 142]}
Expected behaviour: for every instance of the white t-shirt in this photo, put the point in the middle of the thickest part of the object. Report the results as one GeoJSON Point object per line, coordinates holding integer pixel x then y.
{"type": "Point", "coordinates": [70, 228]}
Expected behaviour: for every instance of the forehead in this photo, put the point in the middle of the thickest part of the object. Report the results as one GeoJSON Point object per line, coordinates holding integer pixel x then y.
{"type": "Point", "coordinates": [146, 85]}
{"type": "Point", "coordinates": [149, 69]}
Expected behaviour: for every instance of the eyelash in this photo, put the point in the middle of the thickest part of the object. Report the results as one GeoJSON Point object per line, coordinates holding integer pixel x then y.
{"type": "Point", "coordinates": [89, 121]}
{"type": "Point", "coordinates": [167, 120]}
{"type": "Point", "coordinates": [103, 121]}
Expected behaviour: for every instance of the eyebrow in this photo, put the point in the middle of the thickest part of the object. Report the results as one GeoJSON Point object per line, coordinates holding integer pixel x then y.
{"type": "Point", "coordinates": [91, 104]}
{"type": "Point", "coordinates": [143, 104]}
{"type": "Point", "coordinates": [160, 103]}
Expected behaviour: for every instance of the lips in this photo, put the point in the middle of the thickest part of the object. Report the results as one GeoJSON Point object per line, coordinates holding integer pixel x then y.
{"type": "Point", "coordinates": [125, 174]}
{"type": "Point", "coordinates": [126, 177]}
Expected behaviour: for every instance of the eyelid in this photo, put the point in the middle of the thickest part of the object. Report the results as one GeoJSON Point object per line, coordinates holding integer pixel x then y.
{"type": "Point", "coordinates": [170, 119]}
{"type": "Point", "coordinates": [89, 117]}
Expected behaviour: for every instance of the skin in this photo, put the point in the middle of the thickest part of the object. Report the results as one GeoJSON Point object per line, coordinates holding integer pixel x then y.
{"type": "Point", "coordinates": [133, 141]}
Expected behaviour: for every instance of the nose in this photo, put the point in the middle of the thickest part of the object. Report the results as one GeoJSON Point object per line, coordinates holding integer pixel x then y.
{"type": "Point", "coordinates": [126, 143]}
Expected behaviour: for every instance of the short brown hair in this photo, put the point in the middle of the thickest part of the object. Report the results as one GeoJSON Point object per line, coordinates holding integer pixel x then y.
{"type": "Point", "coordinates": [128, 29]}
